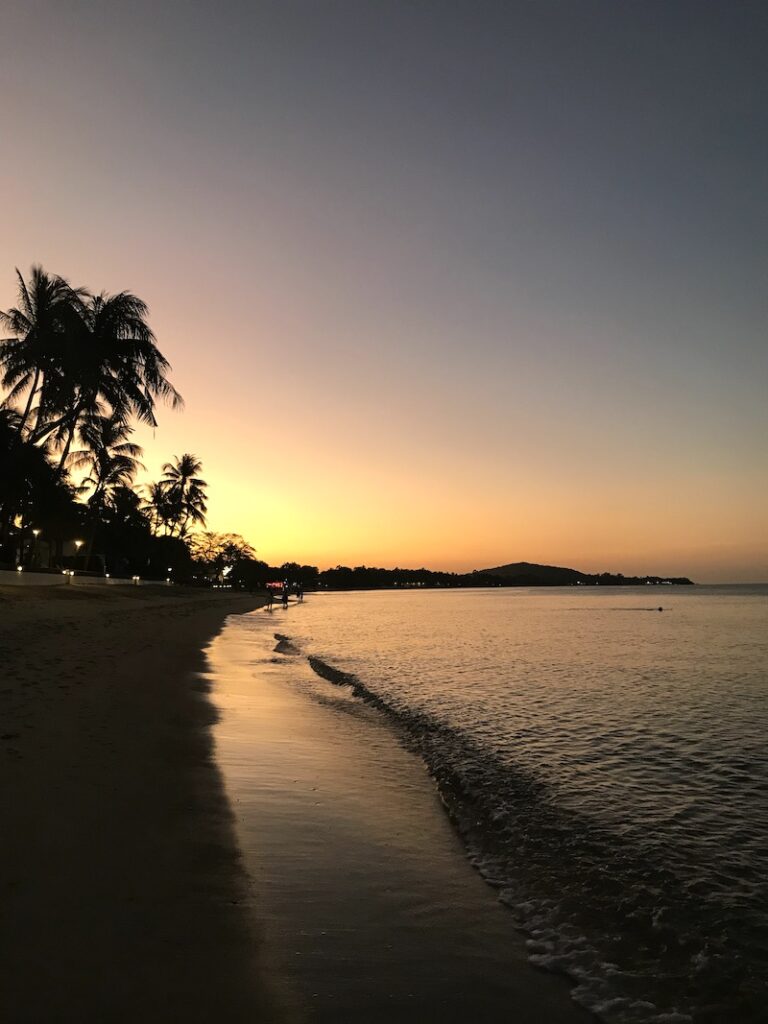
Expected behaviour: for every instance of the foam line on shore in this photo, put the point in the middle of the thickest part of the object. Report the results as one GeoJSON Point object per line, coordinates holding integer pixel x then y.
{"type": "Point", "coordinates": [548, 862]}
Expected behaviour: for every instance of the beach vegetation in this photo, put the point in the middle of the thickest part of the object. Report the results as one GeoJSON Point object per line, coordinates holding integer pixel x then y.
{"type": "Point", "coordinates": [218, 555]}
{"type": "Point", "coordinates": [78, 371]}
{"type": "Point", "coordinates": [186, 494]}
{"type": "Point", "coordinates": [108, 457]}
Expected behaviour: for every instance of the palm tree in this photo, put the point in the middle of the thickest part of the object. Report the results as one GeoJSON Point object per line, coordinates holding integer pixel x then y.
{"type": "Point", "coordinates": [125, 508]}
{"type": "Point", "coordinates": [82, 366]}
{"type": "Point", "coordinates": [30, 360]}
{"type": "Point", "coordinates": [111, 366]}
{"type": "Point", "coordinates": [111, 460]}
{"type": "Point", "coordinates": [186, 492]}
{"type": "Point", "coordinates": [158, 507]}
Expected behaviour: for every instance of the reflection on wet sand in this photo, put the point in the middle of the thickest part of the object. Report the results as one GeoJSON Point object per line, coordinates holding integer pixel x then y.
{"type": "Point", "coordinates": [369, 908]}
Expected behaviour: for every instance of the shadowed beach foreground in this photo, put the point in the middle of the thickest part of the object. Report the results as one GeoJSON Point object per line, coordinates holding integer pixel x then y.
{"type": "Point", "coordinates": [121, 880]}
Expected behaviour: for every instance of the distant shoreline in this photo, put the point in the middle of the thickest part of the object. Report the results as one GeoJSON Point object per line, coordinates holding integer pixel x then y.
{"type": "Point", "coordinates": [515, 574]}
{"type": "Point", "coordinates": [500, 585]}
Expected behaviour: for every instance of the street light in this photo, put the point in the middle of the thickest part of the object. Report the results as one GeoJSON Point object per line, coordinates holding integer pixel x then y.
{"type": "Point", "coordinates": [78, 545]}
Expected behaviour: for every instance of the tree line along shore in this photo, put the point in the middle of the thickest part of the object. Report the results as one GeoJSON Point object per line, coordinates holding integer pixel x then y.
{"type": "Point", "coordinates": [78, 371]}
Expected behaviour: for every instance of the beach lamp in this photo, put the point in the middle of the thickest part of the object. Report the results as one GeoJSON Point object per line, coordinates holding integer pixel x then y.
{"type": "Point", "coordinates": [19, 568]}
{"type": "Point", "coordinates": [35, 533]}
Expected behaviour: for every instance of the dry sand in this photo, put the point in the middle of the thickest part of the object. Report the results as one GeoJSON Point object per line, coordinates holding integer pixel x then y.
{"type": "Point", "coordinates": [121, 880]}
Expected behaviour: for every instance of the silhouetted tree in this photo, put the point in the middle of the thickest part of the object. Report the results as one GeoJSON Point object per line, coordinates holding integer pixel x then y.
{"type": "Point", "coordinates": [112, 366]}
{"type": "Point", "coordinates": [41, 326]}
{"type": "Point", "coordinates": [185, 492]}
{"type": "Point", "coordinates": [109, 458]}
{"type": "Point", "coordinates": [220, 553]}
{"type": "Point", "coordinates": [158, 507]}
{"type": "Point", "coordinates": [78, 361]}
{"type": "Point", "coordinates": [30, 486]}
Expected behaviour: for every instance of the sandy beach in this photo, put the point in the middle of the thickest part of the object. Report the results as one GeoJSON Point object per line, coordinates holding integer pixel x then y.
{"type": "Point", "coordinates": [144, 881]}
{"type": "Point", "coordinates": [120, 873]}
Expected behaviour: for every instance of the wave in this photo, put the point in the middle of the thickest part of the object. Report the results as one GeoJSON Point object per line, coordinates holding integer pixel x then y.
{"type": "Point", "coordinates": [285, 645]}
{"type": "Point", "coordinates": [638, 942]}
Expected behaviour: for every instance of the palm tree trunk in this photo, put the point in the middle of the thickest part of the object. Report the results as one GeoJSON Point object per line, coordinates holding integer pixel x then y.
{"type": "Point", "coordinates": [65, 453]}
{"type": "Point", "coordinates": [28, 408]}
{"type": "Point", "coordinates": [39, 433]}
{"type": "Point", "coordinates": [70, 438]}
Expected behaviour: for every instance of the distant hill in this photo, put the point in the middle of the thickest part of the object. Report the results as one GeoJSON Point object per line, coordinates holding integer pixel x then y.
{"type": "Point", "coordinates": [528, 574]}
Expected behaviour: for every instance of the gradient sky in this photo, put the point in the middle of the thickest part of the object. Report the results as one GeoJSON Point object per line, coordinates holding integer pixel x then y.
{"type": "Point", "coordinates": [445, 284]}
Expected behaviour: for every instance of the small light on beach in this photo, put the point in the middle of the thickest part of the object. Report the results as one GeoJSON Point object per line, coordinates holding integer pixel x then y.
{"type": "Point", "coordinates": [106, 575]}
{"type": "Point", "coordinates": [35, 534]}
{"type": "Point", "coordinates": [19, 568]}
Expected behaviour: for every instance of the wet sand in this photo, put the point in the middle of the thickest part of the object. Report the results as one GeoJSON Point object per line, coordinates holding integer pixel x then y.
{"type": "Point", "coordinates": [369, 907]}
{"type": "Point", "coordinates": [122, 886]}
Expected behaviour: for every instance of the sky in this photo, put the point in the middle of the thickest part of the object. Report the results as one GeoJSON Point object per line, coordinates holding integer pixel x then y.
{"type": "Point", "coordinates": [445, 284]}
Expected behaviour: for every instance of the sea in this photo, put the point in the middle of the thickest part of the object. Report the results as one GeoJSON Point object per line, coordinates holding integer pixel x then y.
{"type": "Point", "coordinates": [602, 753]}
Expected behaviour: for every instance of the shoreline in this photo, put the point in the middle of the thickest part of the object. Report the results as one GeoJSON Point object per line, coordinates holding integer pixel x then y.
{"type": "Point", "coordinates": [122, 878]}
{"type": "Point", "coordinates": [369, 904]}
{"type": "Point", "coordinates": [129, 892]}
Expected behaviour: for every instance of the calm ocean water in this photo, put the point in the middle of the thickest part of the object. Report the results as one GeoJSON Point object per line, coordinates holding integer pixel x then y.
{"type": "Point", "coordinates": [606, 764]}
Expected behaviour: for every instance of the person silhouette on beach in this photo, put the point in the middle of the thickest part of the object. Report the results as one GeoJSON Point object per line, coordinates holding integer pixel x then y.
{"type": "Point", "coordinates": [285, 597]}
{"type": "Point", "coordinates": [270, 599]}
